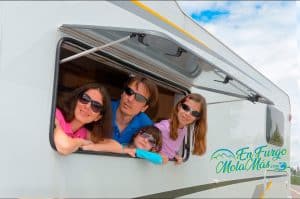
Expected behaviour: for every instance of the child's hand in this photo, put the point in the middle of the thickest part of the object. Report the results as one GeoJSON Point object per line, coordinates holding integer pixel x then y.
{"type": "Point", "coordinates": [165, 158]}
{"type": "Point", "coordinates": [178, 159]}
{"type": "Point", "coordinates": [130, 151]}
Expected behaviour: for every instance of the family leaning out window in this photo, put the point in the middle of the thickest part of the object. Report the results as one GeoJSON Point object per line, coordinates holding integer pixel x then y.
{"type": "Point", "coordinates": [87, 119]}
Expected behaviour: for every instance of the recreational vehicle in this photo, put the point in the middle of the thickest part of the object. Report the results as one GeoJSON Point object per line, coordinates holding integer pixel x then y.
{"type": "Point", "coordinates": [49, 48]}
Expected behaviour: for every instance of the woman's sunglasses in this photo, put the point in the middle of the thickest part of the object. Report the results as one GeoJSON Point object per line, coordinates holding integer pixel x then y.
{"type": "Point", "coordinates": [149, 137]}
{"type": "Point", "coordinates": [96, 107]}
{"type": "Point", "coordinates": [138, 97]}
{"type": "Point", "coordinates": [188, 109]}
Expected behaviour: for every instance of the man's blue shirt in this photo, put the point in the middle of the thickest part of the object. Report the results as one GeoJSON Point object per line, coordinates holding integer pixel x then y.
{"type": "Point", "coordinates": [139, 121]}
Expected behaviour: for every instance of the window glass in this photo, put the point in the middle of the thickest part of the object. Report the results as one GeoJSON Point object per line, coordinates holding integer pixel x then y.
{"type": "Point", "coordinates": [274, 126]}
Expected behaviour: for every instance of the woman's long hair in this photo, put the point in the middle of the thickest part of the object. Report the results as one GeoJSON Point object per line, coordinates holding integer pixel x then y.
{"type": "Point", "coordinates": [200, 124]}
{"type": "Point", "coordinates": [99, 129]}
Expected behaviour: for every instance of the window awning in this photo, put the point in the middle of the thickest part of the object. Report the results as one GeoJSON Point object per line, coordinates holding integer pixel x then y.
{"type": "Point", "coordinates": [162, 56]}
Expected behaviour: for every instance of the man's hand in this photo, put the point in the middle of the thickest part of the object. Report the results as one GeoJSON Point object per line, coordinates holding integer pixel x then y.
{"type": "Point", "coordinates": [83, 142]}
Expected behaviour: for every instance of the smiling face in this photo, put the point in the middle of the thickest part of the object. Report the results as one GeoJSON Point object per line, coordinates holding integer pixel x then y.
{"type": "Point", "coordinates": [144, 141]}
{"type": "Point", "coordinates": [185, 117]}
{"type": "Point", "coordinates": [128, 103]}
{"type": "Point", "coordinates": [84, 113]}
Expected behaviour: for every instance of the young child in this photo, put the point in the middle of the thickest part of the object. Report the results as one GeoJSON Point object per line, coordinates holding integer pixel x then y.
{"type": "Point", "coordinates": [145, 144]}
{"type": "Point", "coordinates": [189, 110]}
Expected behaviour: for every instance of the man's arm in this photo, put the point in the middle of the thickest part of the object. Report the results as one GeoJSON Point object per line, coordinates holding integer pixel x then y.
{"type": "Point", "coordinates": [107, 145]}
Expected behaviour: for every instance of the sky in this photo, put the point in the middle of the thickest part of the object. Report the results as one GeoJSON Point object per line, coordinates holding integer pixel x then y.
{"type": "Point", "coordinates": [266, 35]}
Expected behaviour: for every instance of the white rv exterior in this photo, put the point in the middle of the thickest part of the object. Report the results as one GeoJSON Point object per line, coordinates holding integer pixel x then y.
{"type": "Point", "coordinates": [239, 161]}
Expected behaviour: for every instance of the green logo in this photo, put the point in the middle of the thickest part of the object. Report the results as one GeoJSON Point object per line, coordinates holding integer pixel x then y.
{"type": "Point", "coordinates": [245, 159]}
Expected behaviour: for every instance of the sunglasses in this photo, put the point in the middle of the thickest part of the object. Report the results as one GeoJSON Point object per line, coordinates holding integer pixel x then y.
{"type": "Point", "coordinates": [138, 97]}
{"type": "Point", "coordinates": [149, 137]}
{"type": "Point", "coordinates": [96, 107]}
{"type": "Point", "coordinates": [188, 109]}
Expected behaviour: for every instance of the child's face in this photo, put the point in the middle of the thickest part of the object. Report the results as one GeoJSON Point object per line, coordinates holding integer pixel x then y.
{"type": "Point", "coordinates": [144, 141]}
{"type": "Point", "coordinates": [187, 111]}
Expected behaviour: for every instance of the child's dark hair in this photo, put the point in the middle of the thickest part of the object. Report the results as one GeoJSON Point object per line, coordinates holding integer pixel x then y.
{"type": "Point", "coordinates": [155, 132]}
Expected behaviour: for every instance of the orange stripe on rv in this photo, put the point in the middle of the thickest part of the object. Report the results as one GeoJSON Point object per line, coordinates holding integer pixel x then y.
{"type": "Point", "coordinates": [167, 21]}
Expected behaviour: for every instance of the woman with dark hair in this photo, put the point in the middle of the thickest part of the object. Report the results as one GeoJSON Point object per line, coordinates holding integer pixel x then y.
{"type": "Point", "coordinates": [82, 118]}
{"type": "Point", "coordinates": [189, 110]}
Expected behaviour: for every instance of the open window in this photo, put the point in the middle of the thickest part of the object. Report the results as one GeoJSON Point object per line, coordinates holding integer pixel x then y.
{"type": "Point", "coordinates": [274, 126]}
{"type": "Point", "coordinates": [110, 72]}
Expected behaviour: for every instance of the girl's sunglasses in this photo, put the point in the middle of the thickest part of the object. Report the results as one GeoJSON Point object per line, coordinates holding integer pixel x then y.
{"type": "Point", "coordinates": [188, 109]}
{"type": "Point", "coordinates": [138, 97]}
{"type": "Point", "coordinates": [96, 107]}
{"type": "Point", "coordinates": [150, 138]}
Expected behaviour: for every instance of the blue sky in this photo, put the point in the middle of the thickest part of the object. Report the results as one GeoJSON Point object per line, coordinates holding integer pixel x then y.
{"type": "Point", "coordinates": [267, 27]}
{"type": "Point", "coordinates": [207, 16]}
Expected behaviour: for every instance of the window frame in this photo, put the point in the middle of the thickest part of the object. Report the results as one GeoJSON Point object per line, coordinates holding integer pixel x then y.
{"type": "Point", "coordinates": [160, 81]}
{"type": "Point", "coordinates": [271, 114]}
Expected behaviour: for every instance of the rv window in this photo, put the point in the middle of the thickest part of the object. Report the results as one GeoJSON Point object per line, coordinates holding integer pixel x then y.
{"type": "Point", "coordinates": [151, 45]}
{"type": "Point", "coordinates": [110, 72]}
{"type": "Point", "coordinates": [274, 126]}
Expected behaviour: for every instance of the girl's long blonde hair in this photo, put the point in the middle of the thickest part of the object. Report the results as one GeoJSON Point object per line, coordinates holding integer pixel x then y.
{"type": "Point", "coordinates": [200, 125]}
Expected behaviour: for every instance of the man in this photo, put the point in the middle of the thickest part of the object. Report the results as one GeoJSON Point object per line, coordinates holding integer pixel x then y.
{"type": "Point", "coordinates": [138, 95]}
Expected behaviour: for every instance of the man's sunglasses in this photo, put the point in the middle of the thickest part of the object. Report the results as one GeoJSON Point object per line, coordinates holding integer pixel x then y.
{"type": "Point", "coordinates": [138, 97]}
{"type": "Point", "coordinates": [96, 107]}
{"type": "Point", "coordinates": [149, 137]}
{"type": "Point", "coordinates": [188, 109]}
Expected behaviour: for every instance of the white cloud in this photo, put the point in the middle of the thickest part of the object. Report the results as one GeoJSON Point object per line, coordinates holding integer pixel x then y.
{"type": "Point", "coordinates": [266, 35]}
{"type": "Point", "coordinates": [269, 30]}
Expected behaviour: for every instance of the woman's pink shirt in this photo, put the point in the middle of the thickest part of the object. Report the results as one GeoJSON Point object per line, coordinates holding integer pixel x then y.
{"type": "Point", "coordinates": [66, 127]}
